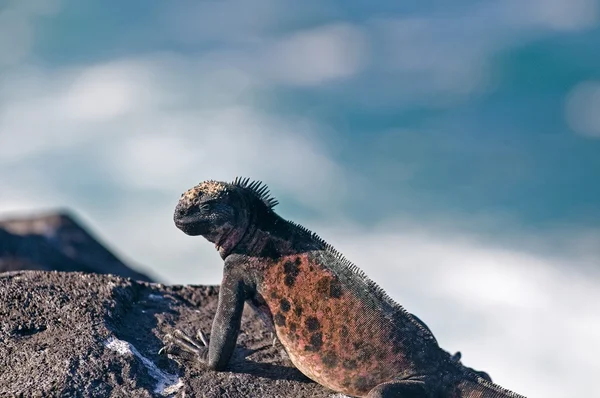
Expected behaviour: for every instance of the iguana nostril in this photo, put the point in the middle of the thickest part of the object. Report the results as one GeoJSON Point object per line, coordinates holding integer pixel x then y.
{"type": "Point", "coordinates": [180, 211]}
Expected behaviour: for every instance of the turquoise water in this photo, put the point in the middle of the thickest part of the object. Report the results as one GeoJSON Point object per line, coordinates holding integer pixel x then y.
{"type": "Point", "coordinates": [502, 145]}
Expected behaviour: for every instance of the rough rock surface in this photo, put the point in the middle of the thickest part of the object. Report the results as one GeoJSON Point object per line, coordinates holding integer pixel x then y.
{"type": "Point", "coordinates": [56, 242]}
{"type": "Point", "coordinates": [73, 334]}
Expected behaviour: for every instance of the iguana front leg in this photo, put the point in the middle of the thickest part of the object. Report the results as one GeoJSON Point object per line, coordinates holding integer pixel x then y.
{"type": "Point", "coordinates": [225, 327]}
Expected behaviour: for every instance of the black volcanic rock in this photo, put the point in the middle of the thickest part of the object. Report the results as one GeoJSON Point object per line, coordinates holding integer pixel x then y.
{"type": "Point", "coordinates": [72, 334]}
{"type": "Point", "coordinates": [56, 242]}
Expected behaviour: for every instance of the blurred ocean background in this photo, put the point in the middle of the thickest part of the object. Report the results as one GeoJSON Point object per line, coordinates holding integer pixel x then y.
{"type": "Point", "coordinates": [450, 149]}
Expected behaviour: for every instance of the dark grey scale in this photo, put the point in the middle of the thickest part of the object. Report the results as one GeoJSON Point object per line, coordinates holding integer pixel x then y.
{"type": "Point", "coordinates": [279, 319]}
{"type": "Point", "coordinates": [312, 324]}
{"type": "Point", "coordinates": [344, 332]}
{"type": "Point", "coordinates": [335, 288]}
{"type": "Point", "coordinates": [330, 359]}
{"type": "Point", "coordinates": [316, 341]}
{"type": "Point", "coordinates": [291, 271]}
{"type": "Point", "coordinates": [284, 304]}
{"type": "Point", "coordinates": [357, 345]}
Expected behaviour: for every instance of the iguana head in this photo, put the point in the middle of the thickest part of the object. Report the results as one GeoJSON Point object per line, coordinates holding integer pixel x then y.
{"type": "Point", "coordinates": [222, 211]}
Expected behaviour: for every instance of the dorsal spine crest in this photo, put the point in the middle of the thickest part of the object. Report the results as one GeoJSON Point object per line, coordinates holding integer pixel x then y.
{"type": "Point", "coordinates": [372, 285]}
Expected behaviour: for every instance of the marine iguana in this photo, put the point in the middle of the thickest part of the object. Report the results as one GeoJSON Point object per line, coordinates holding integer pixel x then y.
{"type": "Point", "coordinates": [338, 327]}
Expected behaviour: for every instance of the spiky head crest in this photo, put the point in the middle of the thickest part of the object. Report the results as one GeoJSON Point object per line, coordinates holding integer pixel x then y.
{"type": "Point", "coordinates": [258, 188]}
{"type": "Point", "coordinates": [218, 189]}
{"type": "Point", "coordinates": [221, 211]}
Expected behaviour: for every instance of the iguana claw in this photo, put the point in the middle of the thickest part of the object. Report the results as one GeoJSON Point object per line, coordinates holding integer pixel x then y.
{"type": "Point", "coordinates": [180, 343]}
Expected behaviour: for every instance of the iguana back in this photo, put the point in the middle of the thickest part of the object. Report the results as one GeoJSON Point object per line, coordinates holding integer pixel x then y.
{"type": "Point", "coordinates": [338, 327]}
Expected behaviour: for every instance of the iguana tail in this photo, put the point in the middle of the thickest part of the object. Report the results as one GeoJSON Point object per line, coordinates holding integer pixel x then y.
{"type": "Point", "coordinates": [474, 386]}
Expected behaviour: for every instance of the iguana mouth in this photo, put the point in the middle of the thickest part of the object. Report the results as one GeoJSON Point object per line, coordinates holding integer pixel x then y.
{"type": "Point", "coordinates": [186, 219]}
{"type": "Point", "coordinates": [190, 224]}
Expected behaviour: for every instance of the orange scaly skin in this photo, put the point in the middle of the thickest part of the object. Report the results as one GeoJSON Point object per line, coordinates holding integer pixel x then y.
{"type": "Point", "coordinates": [337, 326]}
{"type": "Point", "coordinates": [330, 334]}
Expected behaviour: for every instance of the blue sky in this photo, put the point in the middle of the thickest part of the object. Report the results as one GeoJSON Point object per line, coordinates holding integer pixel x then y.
{"type": "Point", "coordinates": [452, 152]}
